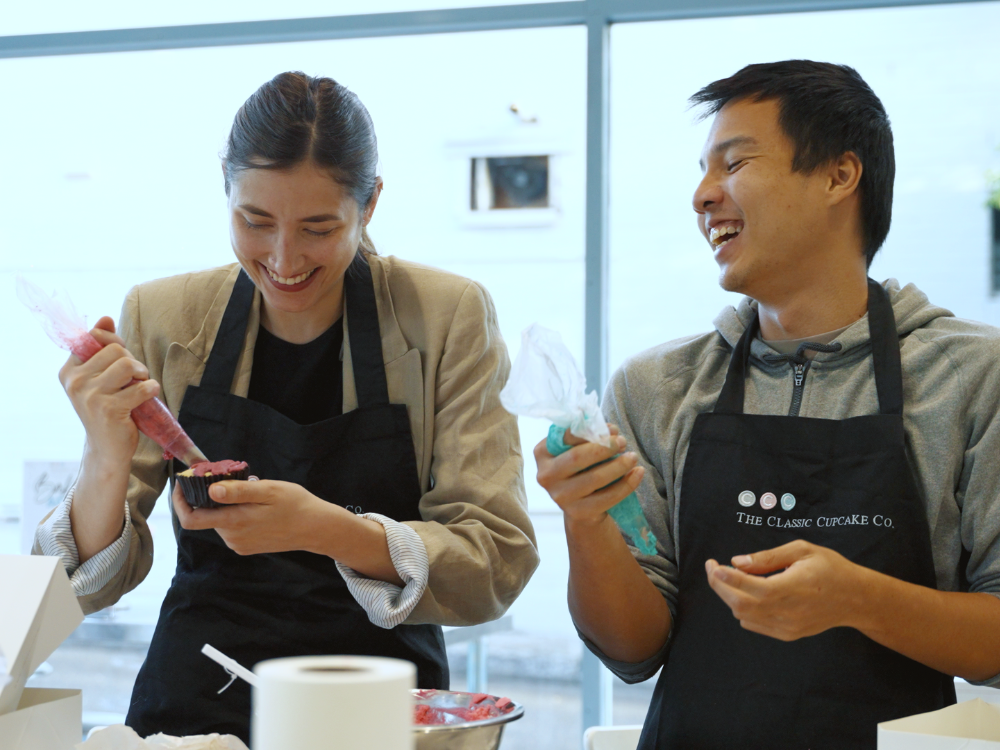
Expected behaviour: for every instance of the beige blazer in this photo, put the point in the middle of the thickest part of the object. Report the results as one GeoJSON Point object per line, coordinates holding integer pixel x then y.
{"type": "Point", "coordinates": [444, 359]}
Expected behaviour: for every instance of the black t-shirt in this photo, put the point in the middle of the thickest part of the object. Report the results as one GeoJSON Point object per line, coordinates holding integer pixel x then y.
{"type": "Point", "coordinates": [302, 381]}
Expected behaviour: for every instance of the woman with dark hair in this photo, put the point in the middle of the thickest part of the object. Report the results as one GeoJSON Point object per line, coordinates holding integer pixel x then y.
{"type": "Point", "coordinates": [362, 390]}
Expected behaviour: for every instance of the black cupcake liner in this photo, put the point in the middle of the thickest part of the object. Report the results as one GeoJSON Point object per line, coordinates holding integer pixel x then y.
{"type": "Point", "coordinates": [196, 488]}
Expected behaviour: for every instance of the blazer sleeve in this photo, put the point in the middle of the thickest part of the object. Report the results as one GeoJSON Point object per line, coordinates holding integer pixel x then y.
{"type": "Point", "coordinates": [146, 482]}
{"type": "Point", "coordinates": [480, 544]}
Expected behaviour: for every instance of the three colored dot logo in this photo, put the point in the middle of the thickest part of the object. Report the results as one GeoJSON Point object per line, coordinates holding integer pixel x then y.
{"type": "Point", "coordinates": [767, 501]}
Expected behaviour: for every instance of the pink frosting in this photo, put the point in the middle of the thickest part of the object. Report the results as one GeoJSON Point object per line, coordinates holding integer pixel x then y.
{"type": "Point", "coordinates": [216, 468]}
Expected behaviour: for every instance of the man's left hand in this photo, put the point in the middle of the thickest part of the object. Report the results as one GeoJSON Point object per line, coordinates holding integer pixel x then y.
{"type": "Point", "coordinates": [815, 590]}
{"type": "Point", "coordinates": [259, 517]}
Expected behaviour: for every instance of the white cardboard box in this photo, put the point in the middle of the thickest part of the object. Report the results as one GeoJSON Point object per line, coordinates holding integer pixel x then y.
{"type": "Point", "coordinates": [973, 725]}
{"type": "Point", "coordinates": [45, 719]}
{"type": "Point", "coordinates": [38, 611]}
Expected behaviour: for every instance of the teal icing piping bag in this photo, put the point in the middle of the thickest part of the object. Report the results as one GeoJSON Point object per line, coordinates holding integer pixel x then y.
{"type": "Point", "coordinates": [627, 514]}
{"type": "Point", "coordinates": [545, 382]}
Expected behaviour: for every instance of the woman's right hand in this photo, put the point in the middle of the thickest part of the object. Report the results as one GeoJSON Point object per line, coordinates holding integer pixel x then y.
{"type": "Point", "coordinates": [103, 398]}
{"type": "Point", "coordinates": [583, 486]}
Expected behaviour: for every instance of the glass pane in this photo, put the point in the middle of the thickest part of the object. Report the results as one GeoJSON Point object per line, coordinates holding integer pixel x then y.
{"type": "Point", "coordinates": [63, 15]}
{"type": "Point", "coordinates": [116, 181]}
{"type": "Point", "coordinates": [663, 277]}
{"type": "Point", "coordinates": [946, 138]}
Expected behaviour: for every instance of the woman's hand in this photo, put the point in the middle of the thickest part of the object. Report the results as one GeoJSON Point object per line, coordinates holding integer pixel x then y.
{"type": "Point", "coordinates": [100, 391]}
{"type": "Point", "coordinates": [102, 396]}
{"type": "Point", "coordinates": [580, 484]}
{"type": "Point", "coordinates": [260, 517]}
{"type": "Point", "coordinates": [270, 516]}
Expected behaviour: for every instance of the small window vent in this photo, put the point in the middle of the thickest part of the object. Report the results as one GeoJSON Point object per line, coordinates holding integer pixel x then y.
{"type": "Point", "coordinates": [509, 182]}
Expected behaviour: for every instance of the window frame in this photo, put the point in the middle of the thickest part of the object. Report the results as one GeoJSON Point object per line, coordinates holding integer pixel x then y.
{"type": "Point", "coordinates": [596, 15]}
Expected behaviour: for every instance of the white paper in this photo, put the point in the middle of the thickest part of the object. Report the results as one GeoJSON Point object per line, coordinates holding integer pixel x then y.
{"type": "Point", "coordinates": [973, 725]}
{"type": "Point", "coordinates": [198, 742]}
{"type": "Point", "coordinates": [45, 719]}
{"type": "Point", "coordinates": [40, 611]}
{"type": "Point", "coordinates": [121, 737]}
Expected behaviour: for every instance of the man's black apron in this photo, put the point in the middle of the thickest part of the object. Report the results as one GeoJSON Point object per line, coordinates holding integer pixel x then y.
{"type": "Point", "coordinates": [752, 483]}
{"type": "Point", "coordinates": [293, 603]}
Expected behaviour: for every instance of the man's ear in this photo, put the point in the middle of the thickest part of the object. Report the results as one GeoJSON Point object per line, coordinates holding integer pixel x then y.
{"type": "Point", "coordinates": [844, 176]}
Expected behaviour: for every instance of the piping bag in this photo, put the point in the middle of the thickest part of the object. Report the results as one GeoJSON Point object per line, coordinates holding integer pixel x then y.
{"type": "Point", "coordinates": [545, 382]}
{"type": "Point", "coordinates": [68, 330]}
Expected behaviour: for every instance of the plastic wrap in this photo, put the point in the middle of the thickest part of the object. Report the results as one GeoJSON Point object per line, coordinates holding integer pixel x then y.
{"type": "Point", "coordinates": [121, 737]}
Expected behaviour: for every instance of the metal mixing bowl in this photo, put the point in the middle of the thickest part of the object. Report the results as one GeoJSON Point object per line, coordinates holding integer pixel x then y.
{"type": "Point", "coordinates": [464, 735]}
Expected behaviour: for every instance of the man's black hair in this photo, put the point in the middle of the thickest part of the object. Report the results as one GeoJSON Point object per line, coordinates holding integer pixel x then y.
{"type": "Point", "coordinates": [826, 110]}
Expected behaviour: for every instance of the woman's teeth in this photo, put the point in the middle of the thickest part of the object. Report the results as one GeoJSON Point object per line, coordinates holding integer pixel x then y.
{"type": "Point", "coordinates": [288, 282]}
{"type": "Point", "coordinates": [719, 236]}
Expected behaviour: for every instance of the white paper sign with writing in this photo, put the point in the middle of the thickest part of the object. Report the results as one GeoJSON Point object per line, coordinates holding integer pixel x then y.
{"type": "Point", "coordinates": [45, 486]}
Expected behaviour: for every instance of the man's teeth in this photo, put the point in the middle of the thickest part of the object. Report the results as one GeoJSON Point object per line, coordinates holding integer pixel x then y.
{"type": "Point", "coordinates": [288, 282]}
{"type": "Point", "coordinates": [718, 233]}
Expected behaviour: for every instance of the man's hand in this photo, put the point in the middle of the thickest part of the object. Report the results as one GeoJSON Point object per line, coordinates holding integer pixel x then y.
{"type": "Point", "coordinates": [588, 480]}
{"type": "Point", "coordinates": [817, 589]}
{"type": "Point", "coordinates": [260, 517]}
{"type": "Point", "coordinates": [611, 600]}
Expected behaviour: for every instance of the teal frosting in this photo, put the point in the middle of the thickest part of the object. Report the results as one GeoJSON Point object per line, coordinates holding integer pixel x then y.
{"type": "Point", "coordinates": [627, 514]}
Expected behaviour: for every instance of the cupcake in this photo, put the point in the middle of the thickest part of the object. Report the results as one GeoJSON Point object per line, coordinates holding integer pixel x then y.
{"type": "Point", "coordinates": [194, 481]}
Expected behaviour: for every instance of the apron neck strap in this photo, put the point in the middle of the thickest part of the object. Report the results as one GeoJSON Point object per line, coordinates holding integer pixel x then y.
{"type": "Point", "coordinates": [364, 334]}
{"type": "Point", "coordinates": [885, 350]}
{"type": "Point", "coordinates": [885, 358]}
{"type": "Point", "coordinates": [363, 328]}
{"type": "Point", "coordinates": [220, 369]}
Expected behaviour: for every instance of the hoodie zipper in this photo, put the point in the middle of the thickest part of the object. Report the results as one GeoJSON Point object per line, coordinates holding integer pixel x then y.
{"type": "Point", "coordinates": [799, 371]}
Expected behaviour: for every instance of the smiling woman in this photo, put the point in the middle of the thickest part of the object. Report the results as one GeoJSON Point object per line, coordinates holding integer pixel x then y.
{"type": "Point", "coordinates": [363, 391]}
{"type": "Point", "coordinates": [301, 174]}
{"type": "Point", "coordinates": [295, 232]}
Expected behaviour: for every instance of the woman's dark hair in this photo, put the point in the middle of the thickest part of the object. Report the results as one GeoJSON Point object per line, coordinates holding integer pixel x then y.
{"type": "Point", "coordinates": [826, 110]}
{"type": "Point", "coordinates": [295, 118]}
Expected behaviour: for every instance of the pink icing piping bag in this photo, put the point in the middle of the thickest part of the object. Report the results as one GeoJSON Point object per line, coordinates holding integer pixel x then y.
{"type": "Point", "coordinates": [68, 330]}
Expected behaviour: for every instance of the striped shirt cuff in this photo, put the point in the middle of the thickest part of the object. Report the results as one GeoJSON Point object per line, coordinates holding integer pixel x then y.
{"type": "Point", "coordinates": [55, 539]}
{"type": "Point", "coordinates": [386, 604]}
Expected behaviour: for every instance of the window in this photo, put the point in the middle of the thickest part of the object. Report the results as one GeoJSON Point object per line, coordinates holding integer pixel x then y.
{"type": "Point", "coordinates": [116, 181]}
{"type": "Point", "coordinates": [133, 191]}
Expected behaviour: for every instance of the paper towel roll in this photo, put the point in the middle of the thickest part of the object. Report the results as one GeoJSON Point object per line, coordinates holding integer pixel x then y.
{"type": "Point", "coordinates": [336, 702]}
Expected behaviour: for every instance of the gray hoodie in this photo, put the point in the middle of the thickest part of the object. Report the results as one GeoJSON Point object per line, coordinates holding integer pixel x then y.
{"type": "Point", "coordinates": [951, 386]}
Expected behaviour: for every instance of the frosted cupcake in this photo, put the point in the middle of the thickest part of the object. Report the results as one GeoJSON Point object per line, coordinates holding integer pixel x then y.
{"type": "Point", "coordinates": [195, 481]}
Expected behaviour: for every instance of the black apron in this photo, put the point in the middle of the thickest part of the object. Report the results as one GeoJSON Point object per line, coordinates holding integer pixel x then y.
{"type": "Point", "coordinates": [755, 482]}
{"type": "Point", "coordinates": [293, 603]}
